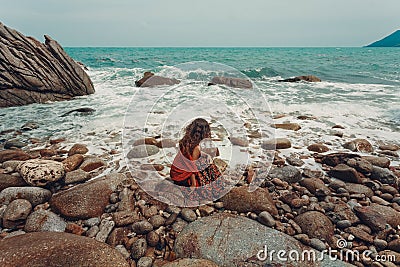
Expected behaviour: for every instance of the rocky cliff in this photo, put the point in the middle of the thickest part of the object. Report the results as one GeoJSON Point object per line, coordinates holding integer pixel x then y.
{"type": "Point", "coordinates": [35, 72]}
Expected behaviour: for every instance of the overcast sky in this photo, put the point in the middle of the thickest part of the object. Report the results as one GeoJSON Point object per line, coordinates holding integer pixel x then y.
{"type": "Point", "coordinates": [205, 22]}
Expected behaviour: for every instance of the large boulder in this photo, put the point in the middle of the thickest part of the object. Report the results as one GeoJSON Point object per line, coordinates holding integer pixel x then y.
{"type": "Point", "coordinates": [241, 200]}
{"type": "Point", "coordinates": [40, 172]}
{"type": "Point", "coordinates": [86, 200]}
{"type": "Point", "coordinates": [232, 240]}
{"type": "Point", "coordinates": [33, 72]}
{"type": "Point", "coordinates": [57, 249]}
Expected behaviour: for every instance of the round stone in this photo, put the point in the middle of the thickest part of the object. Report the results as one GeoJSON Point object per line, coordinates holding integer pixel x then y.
{"type": "Point", "coordinates": [142, 227]}
{"type": "Point", "coordinates": [138, 248]}
{"type": "Point", "coordinates": [188, 215]}
{"type": "Point", "coordinates": [39, 172]}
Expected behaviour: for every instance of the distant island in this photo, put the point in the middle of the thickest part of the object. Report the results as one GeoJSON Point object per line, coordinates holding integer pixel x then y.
{"type": "Point", "coordinates": [392, 40]}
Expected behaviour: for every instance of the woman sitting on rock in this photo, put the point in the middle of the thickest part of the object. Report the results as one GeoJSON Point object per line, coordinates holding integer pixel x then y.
{"type": "Point", "coordinates": [191, 166]}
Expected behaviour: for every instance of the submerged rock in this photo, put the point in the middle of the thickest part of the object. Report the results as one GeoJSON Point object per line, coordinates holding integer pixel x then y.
{"type": "Point", "coordinates": [34, 72]}
{"type": "Point", "coordinates": [308, 78]}
{"type": "Point", "coordinates": [232, 82]}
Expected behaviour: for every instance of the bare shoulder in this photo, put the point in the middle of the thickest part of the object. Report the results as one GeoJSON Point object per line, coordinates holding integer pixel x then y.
{"type": "Point", "coordinates": [196, 152]}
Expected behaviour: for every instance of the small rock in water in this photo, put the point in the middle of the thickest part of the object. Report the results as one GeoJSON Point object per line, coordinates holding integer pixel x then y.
{"type": "Point", "coordinates": [39, 172]}
{"type": "Point", "coordinates": [29, 126]}
{"type": "Point", "coordinates": [236, 141]}
{"type": "Point", "coordinates": [142, 151]}
{"type": "Point", "coordinates": [83, 111]}
{"type": "Point", "coordinates": [14, 143]}
{"type": "Point", "coordinates": [92, 163]}
{"type": "Point", "coordinates": [359, 145]}
{"type": "Point", "coordinates": [78, 149]}
{"type": "Point", "coordinates": [146, 141]}
{"type": "Point", "coordinates": [278, 143]}
{"type": "Point", "coordinates": [390, 147]}
{"type": "Point", "coordinates": [287, 126]}
{"type": "Point", "coordinates": [318, 147]}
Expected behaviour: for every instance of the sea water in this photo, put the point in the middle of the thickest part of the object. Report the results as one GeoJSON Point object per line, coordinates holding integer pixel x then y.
{"type": "Point", "coordinates": [360, 90]}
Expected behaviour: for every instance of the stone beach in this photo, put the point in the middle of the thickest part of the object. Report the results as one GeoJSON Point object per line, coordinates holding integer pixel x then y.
{"type": "Point", "coordinates": [313, 197]}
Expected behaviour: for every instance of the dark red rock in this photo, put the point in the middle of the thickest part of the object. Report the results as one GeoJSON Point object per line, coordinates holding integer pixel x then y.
{"type": "Point", "coordinates": [345, 173]}
{"type": "Point", "coordinates": [78, 149]}
{"type": "Point", "coordinates": [57, 249]}
{"type": "Point", "coordinates": [7, 180]}
{"type": "Point", "coordinates": [319, 148]}
{"type": "Point", "coordinates": [316, 225]}
{"type": "Point", "coordinates": [72, 162]}
{"type": "Point", "coordinates": [13, 154]}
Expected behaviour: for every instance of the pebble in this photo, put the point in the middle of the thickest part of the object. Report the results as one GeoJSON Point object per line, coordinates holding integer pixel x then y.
{"type": "Point", "coordinates": [92, 232]}
{"type": "Point", "coordinates": [145, 262]}
{"type": "Point", "coordinates": [106, 226]}
{"type": "Point", "coordinates": [379, 200]}
{"type": "Point", "coordinates": [157, 221]}
{"type": "Point", "coordinates": [121, 249]}
{"type": "Point", "coordinates": [266, 218]}
{"type": "Point", "coordinates": [138, 248]}
{"type": "Point", "coordinates": [343, 224]}
{"type": "Point", "coordinates": [317, 244]}
{"type": "Point", "coordinates": [150, 212]}
{"type": "Point", "coordinates": [171, 219]}
{"type": "Point", "coordinates": [380, 244]}
{"type": "Point", "coordinates": [152, 239]}
{"type": "Point", "coordinates": [142, 227]}
{"type": "Point", "coordinates": [173, 209]}
{"type": "Point", "coordinates": [92, 222]}
{"type": "Point", "coordinates": [206, 210]}
{"type": "Point", "coordinates": [78, 149]}
{"type": "Point", "coordinates": [188, 215]}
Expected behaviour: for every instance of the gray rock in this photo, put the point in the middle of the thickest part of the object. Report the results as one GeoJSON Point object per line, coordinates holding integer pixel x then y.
{"type": "Point", "coordinates": [151, 80]}
{"type": "Point", "coordinates": [93, 231]}
{"type": "Point", "coordinates": [343, 224]}
{"type": "Point", "coordinates": [383, 175]}
{"type": "Point", "coordinates": [288, 174]}
{"type": "Point", "coordinates": [142, 151]}
{"type": "Point", "coordinates": [44, 221]}
{"type": "Point", "coordinates": [7, 180]}
{"type": "Point", "coordinates": [17, 211]}
{"type": "Point", "coordinates": [106, 226]}
{"type": "Point", "coordinates": [157, 221]}
{"type": "Point", "coordinates": [232, 82]}
{"type": "Point", "coordinates": [15, 233]}
{"type": "Point", "coordinates": [266, 218]}
{"type": "Point", "coordinates": [34, 195]}
{"type": "Point", "coordinates": [188, 215]}
{"type": "Point", "coordinates": [124, 252]}
{"type": "Point", "coordinates": [36, 73]}
{"type": "Point", "coordinates": [179, 224]}
{"type": "Point", "coordinates": [317, 244]}
{"type": "Point", "coordinates": [58, 249]}
{"type": "Point", "coordinates": [92, 221]}
{"type": "Point", "coordinates": [145, 262]}
{"type": "Point", "coordinates": [142, 227]}
{"type": "Point", "coordinates": [138, 248]}
{"type": "Point", "coordinates": [191, 263]}
{"type": "Point", "coordinates": [345, 173]}
{"type": "Point", "coordinates": [11, 164]}
{"type": "Point", "coordinates": [380, 244]}
{"type": "Point", "coordinates": [231, 240]}
{"type": "Point", "coordinates": [39, 172]}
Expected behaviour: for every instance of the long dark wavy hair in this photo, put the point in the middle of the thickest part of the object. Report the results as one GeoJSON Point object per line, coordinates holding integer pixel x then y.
{"type": "Point", "coordinates": [196, 131]}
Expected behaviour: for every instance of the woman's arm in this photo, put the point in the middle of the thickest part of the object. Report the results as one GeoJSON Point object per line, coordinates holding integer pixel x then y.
{"type": "Point", "coordinates": [196, 153]}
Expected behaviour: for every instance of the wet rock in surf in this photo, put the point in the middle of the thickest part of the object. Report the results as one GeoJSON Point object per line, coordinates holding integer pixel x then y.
{"type": "Point", "coordinates": [287, 126]}
{"type": "Point", "coordinates": [150, 80]}
{"type": "Point", "coordinates": [278, 143]}
{"type": "Point", "coordinates": [34, 72]}
{"type": "Point", "coordinates": [359, 145]}
{"type": "Point", "coordinates": [142, 151]}
{"type": "Point", "coordinates": [232, 82]}
{"type": "Point", "coordinates": [307, 78]}
{"type": "Point", "coordinates": [82, 111]}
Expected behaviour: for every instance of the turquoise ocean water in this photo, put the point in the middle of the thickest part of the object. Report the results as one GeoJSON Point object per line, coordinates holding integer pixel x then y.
{"type": "Point", "coordinates": [360, 88]}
